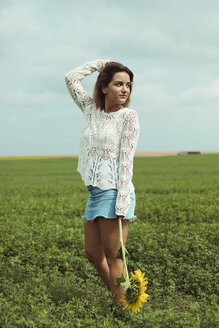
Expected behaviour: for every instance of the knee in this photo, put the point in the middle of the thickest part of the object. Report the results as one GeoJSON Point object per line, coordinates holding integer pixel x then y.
{"type": "Point", "coordinates": [110, 255]}
{"type": "Point", "coordinates": [92, 257]}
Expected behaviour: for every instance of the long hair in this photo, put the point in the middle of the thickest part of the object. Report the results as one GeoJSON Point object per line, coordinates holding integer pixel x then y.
{"type": "Point", "coordinates": [105, 77]}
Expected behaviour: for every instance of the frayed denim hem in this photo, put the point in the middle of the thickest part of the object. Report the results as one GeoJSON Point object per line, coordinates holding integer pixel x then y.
{"type": "Point", "coordinates": [92, 220]}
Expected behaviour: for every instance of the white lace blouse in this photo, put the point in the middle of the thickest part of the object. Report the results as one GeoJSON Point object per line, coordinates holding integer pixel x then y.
{"type": "Point", "coordinates": [108, 140]}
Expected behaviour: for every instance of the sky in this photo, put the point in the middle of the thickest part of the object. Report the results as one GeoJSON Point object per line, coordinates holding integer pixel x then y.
{"type": "Point", "coordinates": [171, 46]}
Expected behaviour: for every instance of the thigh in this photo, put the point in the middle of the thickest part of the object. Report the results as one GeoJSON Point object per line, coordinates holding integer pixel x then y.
{"type": "Point", "coordinates": [93, 244]}
{"type": "Point", "coordinates": [109, 234]}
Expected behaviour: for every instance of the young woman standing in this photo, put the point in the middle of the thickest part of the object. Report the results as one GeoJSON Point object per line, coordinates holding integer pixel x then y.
{"type": "Point", "coordinates": [107, 146]}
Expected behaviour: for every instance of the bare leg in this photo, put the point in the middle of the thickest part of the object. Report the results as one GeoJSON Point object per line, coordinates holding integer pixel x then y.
{"type": "Point", "coordinates": [109, 232]}
{"type": "Point", "coordinates": [94, 250]}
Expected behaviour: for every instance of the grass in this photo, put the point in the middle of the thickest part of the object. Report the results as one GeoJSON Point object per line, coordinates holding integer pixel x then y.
{"type": "Point", "coordinates": [45, 279]}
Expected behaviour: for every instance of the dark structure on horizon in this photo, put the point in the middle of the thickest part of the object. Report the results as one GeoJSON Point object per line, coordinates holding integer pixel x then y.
{"type": "Point", "coordinates": [189, 153]}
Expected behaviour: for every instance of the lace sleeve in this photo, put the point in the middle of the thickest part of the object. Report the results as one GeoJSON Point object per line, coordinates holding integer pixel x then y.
{"type": "Point", "coordinates": [129, 140]}
{"type": "Point", "coordinates": [73, 78]}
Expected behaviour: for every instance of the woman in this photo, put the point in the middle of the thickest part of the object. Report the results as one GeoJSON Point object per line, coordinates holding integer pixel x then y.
{"type": "Point", "coordinates": [107, 146]}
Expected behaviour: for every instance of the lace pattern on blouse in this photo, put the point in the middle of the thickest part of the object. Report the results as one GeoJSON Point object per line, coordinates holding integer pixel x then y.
{"type": "Point", "coordinates": [127, 151]}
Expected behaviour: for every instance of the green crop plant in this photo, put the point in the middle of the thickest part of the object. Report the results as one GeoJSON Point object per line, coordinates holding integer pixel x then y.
{"type": "Point", "coordinates": [45, 279]}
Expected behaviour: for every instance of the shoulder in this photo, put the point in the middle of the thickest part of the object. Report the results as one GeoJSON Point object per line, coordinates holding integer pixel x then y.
{"type": "Point", "coordinates": [129, 114]}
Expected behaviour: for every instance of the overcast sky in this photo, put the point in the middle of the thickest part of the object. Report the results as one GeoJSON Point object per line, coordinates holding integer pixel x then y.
{"type": "Point", "coordinates": [171, 46]}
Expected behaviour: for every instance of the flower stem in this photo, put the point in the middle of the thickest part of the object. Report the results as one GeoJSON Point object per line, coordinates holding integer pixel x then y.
{"type": "Point", "coordinates": [123, 249]}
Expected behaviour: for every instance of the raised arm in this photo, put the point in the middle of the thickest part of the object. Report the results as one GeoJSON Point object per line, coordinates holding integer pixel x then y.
{"type": "Point", "coordinates": [129, 140]}
{"type": "Point", "coordinates": [73, 78]}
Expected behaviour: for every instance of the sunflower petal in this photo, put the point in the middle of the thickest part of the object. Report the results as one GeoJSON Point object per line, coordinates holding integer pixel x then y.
{"type": "Point", "coordinates": [135, 294]}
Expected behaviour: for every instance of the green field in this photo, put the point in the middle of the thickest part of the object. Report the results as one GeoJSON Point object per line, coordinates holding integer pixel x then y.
{"type": "Point", "coordinates": [45, 279]}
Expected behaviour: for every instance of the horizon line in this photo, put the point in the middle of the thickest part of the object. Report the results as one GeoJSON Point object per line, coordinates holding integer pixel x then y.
{"type": "Point", "coordinates": [137, 154]}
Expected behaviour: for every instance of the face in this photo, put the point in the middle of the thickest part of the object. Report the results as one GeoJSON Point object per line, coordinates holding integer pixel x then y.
{"type": "Point", "coordinates": [118, 90]}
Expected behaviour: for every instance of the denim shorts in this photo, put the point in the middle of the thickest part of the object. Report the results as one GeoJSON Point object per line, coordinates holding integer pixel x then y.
{"type": "Point", "coordinates": [103, 202]}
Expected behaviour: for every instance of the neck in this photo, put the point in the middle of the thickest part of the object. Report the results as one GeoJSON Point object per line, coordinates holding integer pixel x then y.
{"type": "Point", "coordinates": [112, 108]}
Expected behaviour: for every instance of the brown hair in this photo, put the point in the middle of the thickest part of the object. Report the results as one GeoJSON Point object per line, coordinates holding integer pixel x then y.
{"type": "Point", "coordinates": [105, 77]}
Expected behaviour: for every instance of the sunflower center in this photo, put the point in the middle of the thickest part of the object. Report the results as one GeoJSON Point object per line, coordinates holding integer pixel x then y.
{"type": "Point", "coordinates": [132, 292]}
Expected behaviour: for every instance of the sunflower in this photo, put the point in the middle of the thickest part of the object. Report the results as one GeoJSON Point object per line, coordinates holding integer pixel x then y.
{"type": "Point", "coordinates": [134, 287]}
{"type": "Point", "coordinates": [135, 294]}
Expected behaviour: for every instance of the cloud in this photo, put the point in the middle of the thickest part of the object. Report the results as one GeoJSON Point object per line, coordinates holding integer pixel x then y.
{"type": "Point", "coordinates": [207, 93]}
{"type": "Point", "coordinates": [54, 115]}
{"type": "Point", "coordinates": [171, 46]}
{"type": "Point", "coordinates": [20, 98]}
{"type": "Point", "coordinates": [198, 103]}
{"type": "Point", "coordinates": [18, 24]}
{"type": "Point", "coordinates": [8, 122]}
{"type": "Point", "coordinates": [153, 95]}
